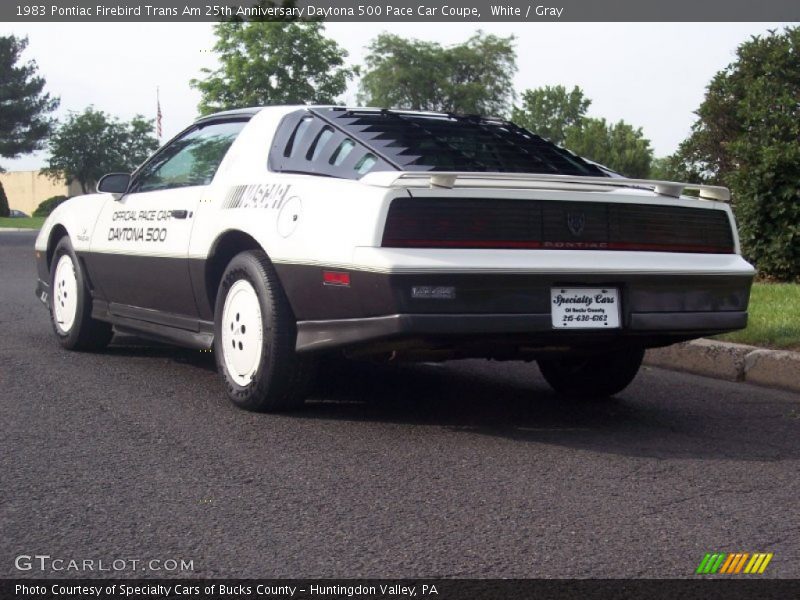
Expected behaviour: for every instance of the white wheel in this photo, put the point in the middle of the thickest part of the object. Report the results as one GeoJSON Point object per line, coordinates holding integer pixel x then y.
{"type": "Point", "coordinates": [70, 303]}
{"type": "Point", "coordinates": [254, 338]}
{"type": "Point", "coordinates": [65, 294]}
{"type": "Point", "coordinates": [242, 333]}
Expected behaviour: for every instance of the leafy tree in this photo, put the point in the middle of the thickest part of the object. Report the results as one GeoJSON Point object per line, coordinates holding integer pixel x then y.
{"type": "Point", "coordinates": [475, 77]}
{"type": "Point", "coordinates": [273, 63]}
{"type": "Point", "coordinates": [24, 108]}
{"type": "Point", "coordinates": [4, 209]}
{"type": "Point", "coordinates": [90, 144]}
{"type": "Point", "coordinates": [747, 136]}
{"type": "Point", "coordinates": [47, 206]}
{"type": "Point", "coordinates": [138, 141]}
{"type": "Point", "coordinates": [550, 111]}
{"type": "Point", "coordinates": [669, 168]}
{"type": "Point", "coordinates": [618, 146]}
{"type": "Point", "coordinates": [560, 115]}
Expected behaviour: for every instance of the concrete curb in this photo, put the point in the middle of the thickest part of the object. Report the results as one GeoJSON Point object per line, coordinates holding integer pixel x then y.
{"type": "Point", "coordinates": [734, 362]}
{"type": "Point", "coordinates": [4, 229]}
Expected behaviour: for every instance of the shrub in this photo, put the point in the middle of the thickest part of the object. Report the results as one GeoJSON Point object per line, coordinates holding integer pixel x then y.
{"type": "Point", "coordinates": [48, 206]}
{"type": "Point", "coordinates": [4, 210]}
{"type": "Point", "coordinates": [748, 137]}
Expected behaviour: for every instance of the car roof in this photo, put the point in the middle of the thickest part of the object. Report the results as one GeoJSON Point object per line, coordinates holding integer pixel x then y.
{"type": "Point", "coordinates": [236, 112]}
{"type": "Point", "coordinates": [251, 111]}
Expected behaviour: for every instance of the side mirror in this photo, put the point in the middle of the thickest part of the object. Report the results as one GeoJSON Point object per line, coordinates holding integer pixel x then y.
{"type": "Point", "coordinates": [114, 183]}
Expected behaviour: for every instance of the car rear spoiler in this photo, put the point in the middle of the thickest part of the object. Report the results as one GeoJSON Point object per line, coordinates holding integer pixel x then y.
{"type": "Point", "coordinates": [451, 179]}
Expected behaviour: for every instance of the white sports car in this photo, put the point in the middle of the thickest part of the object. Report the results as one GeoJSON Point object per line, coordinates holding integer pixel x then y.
{"type": "Point", "coordinates": [281, 235]}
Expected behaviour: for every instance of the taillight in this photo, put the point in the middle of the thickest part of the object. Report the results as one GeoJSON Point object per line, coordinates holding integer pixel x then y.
{"type": "Point", "coordinates": [552, 225]}
{"type": "Point", "coordinates": [335, 278]}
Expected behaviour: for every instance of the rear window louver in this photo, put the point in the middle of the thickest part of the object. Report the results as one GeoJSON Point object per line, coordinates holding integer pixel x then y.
{"type": "Point", "coordinates": [396, 140]}
{"type": "Point", "coordinates": [306, 143]}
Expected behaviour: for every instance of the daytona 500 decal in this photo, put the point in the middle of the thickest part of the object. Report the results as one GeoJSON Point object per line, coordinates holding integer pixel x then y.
{"type": "Point", "coordinates": [135, 233]}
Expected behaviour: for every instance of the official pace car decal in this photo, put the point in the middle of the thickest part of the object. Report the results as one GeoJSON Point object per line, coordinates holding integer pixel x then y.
{"type": "Point", "coordinates": [139, 225]}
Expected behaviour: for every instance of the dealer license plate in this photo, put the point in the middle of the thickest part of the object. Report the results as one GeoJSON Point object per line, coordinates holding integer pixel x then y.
{"type": "Point", "coordinates": [584, 308]}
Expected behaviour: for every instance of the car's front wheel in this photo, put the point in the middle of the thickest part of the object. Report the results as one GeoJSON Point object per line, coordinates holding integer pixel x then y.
{"type": "Point", "coordinates": [71, 303]}
{"type": "Point", "coordinates": [254, 338]}
{"type": "Point", "coordinates": [596, 376]}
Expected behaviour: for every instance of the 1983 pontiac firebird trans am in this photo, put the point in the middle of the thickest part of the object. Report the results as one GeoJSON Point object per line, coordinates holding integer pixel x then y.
{"type": "Point", "coordinates": [282, 235]}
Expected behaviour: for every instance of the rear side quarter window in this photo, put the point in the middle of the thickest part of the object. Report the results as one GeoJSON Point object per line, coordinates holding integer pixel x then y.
{"type": "Point", "coordinates": [305, 142]}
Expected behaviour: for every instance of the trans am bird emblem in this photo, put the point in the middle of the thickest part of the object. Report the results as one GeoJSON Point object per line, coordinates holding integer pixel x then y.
{"type": "Point", "coordinates": [576, 222]}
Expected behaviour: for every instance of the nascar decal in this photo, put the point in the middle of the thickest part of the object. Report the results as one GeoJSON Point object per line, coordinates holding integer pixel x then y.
{"type": "Point", "coordinates": [263, 195]}
{"type": "Point", "coordinates": [136, 226]}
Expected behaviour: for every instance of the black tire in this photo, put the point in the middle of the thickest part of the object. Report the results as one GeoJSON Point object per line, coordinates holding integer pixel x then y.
{"type": "Point", "coordinates": [591, 377]}
{"type": "Point", "coordinates": [84, 333]}
{"type": "Point", "coordinates": [282, 379]}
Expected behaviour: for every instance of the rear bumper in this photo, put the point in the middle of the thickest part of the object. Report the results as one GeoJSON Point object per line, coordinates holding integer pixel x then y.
{"type": "Point", "coordinates": [516, 333]}
{"type": "Point", "coordinates": [504, 311]}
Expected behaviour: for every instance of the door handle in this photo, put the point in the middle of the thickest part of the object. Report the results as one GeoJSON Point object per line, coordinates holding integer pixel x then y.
{"type": "Point", "coordinates": [179, 214]}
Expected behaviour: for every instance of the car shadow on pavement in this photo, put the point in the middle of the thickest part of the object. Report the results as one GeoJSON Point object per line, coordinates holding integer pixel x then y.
{"type": "Point", "coordinates": [652, 418]}
{"type": "Point", "coordinates": [510, 400]}
{"type": "Point", "coordinates": [130, 346]}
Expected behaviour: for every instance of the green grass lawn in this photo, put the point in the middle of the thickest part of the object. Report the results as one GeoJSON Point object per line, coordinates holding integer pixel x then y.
{"type": "Point", "coordinates": [30, 222]}
{"type": "Point", "coordinates": [774, 317]}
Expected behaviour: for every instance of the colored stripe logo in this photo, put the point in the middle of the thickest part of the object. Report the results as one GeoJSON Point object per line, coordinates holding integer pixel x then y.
{"type": "Point", "coordinates": [734, 563]}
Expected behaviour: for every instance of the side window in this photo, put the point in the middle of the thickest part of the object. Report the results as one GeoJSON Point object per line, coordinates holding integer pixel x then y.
{"type": "Point", "coordinates": [365, 164]}
{"type": "Point", "coordinates": [316, 148]}
{"type": "Point", "coordinates": [342, 152]}
{"type": "Point", "coordinates": [190, 160]}
{"type": "Point", "coordinates": [297, 135]}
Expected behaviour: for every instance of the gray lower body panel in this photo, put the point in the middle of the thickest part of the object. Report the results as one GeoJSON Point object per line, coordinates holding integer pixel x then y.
{"type": "Point", "coordinates": [505, 312]}
{"type": "Point", "coordinates": [481, 315]}
{"type": "Point", "coordinates": [522, 330]}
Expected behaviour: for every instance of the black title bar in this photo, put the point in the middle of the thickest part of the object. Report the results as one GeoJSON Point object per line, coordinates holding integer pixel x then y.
{"type": "Point", "coordinates": [400, 589]}
{"type": "Point", "coordinates": [402, 10]}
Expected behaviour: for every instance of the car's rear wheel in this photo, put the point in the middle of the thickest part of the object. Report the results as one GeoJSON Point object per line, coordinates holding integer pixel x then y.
{"type": "Point", "coordinates": [71, 303]}
{"type": "Point", "coordinates": [254, 338]}
{"type": "Point", "coordinates": [596, 376]}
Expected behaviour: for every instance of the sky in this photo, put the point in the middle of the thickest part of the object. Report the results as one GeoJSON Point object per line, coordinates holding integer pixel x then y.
{"type": "Point", "coordinates": [652, 75]}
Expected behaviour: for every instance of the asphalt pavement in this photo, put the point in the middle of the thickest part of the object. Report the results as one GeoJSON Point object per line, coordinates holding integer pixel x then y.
{"type": "Point", "coordinates": [466, 469]}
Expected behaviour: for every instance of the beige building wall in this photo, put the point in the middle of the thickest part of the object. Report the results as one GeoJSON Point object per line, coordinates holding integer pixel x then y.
{"type": "Point", "coordinates": [25, 190]}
